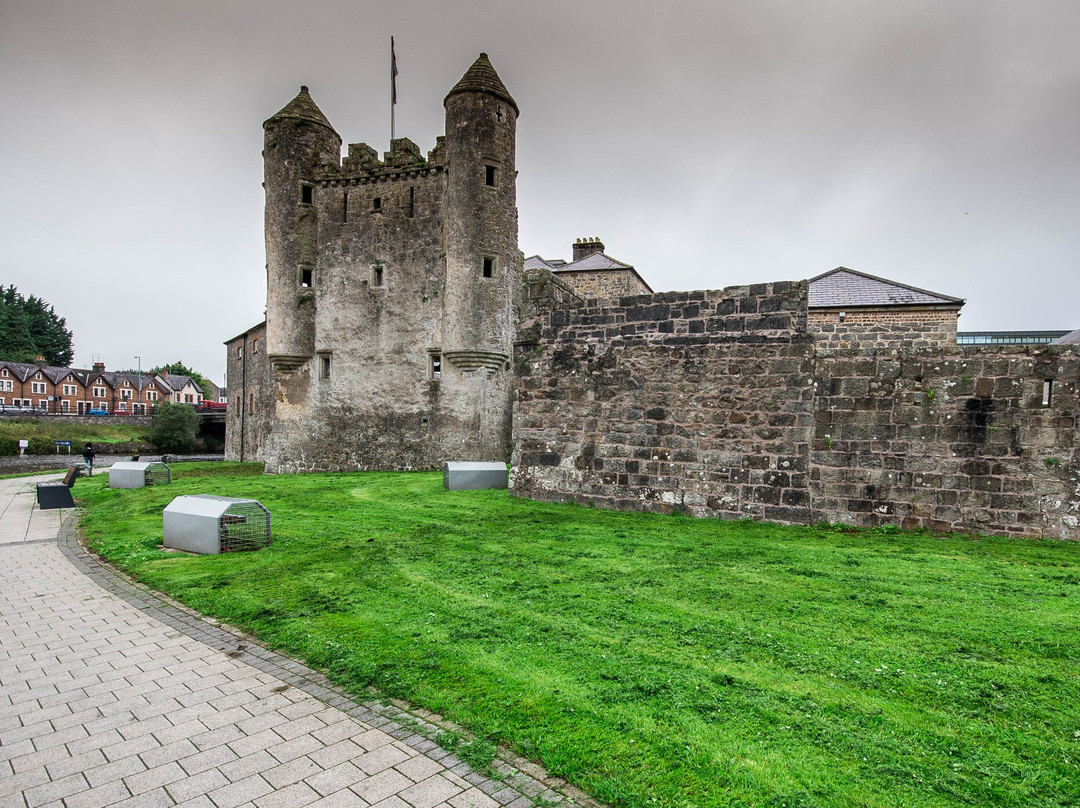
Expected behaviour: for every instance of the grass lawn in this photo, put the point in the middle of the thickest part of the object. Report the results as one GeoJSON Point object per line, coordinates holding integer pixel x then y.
{"type": "Point", "coordinates": [61, 428]}
{"type": "Point", "coordinates": [652, 660]}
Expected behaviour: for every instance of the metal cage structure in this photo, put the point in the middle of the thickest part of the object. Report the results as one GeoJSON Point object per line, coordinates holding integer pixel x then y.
{"type": "Point", "coordinates": [131, 474]}
{"type": "Point", "coordinates": [207, 524]}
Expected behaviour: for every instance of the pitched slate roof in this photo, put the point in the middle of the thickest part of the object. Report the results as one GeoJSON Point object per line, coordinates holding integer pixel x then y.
{"type": "Point", "coordinates": [1072, 338]}
{"type": "Point", "coordinates": [482, 78]}
{"type": "Point", "coordinates": [847, 287]}
{"type": "Point", "coordinates": [593, 261]}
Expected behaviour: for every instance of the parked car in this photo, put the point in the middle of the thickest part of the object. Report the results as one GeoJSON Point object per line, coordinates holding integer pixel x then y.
{"type": "Point", "coordinates": [99, 411]}
{"type": "Point", "coordinates": [11, 409]}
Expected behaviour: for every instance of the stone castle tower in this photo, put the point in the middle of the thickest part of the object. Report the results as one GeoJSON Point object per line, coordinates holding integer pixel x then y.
{"type": "Point", "coordinates": [391, 289]}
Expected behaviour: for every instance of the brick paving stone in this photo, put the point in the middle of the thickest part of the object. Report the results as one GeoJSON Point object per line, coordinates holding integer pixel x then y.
{"type": "Point", "coordinates": [241, 791]}
{"type": "Point", "coordinates": [99, 796]}
{"type": "Point", "coordinates": [336, 753]}
{"type": "Point", "coordinates": [419, 768]}
{"type": "Point", "coordinates": [336, 779]}
{"type": "Point", "coordinates": [472, 798]}
{"type": "Point", "coordinates": [196, 786]}
{"type": "Point", "coordinates": [110, 697]}
{"type": "Point", "coordinates": [156, 777]}
{"type": "Point", "coordinates": [294, 796]}
{"type": "Point", "coordinates": [117, 770]}
{"type": "Point", "coordinates": [55, 790]}
{"type": "Point", "coordinates": [430, 792]}
{"type": "Point", "coordinates": [393, 801]}
{"type": "Point", "coordinates": [340, 799]}
{"type": "Point", "coordinates": [292, 772]}
{"type": "Point", "coordinates": [382, 785]}
{"type": "Point", "coordinates": [210, 759]}
{"type": "Point", "coordinates": [247, 765]}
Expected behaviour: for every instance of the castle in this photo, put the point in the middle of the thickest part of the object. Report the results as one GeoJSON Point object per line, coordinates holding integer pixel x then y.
{"type": "Point", "coordinates": [404, 328]}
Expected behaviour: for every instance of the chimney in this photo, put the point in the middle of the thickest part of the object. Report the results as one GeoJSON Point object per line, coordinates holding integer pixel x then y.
{"type": "Point", "coordinates": [165, 375]}
{"type": "Point", "coordinates": [40, 362]}
{"type": "Point", "coordinates": [99, 367]}
{"type": "Point", "coordinates": [587, 246]}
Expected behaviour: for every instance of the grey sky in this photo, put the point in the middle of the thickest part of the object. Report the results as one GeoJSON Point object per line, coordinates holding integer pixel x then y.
{"type": "Point", "coordinates": [935, 143]}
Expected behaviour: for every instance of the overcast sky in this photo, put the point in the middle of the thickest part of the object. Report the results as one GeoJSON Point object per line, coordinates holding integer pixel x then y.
{"type": "Point", "coordinates": [708, 144]}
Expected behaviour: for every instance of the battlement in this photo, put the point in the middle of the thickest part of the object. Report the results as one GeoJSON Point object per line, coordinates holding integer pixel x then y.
{"type": "Point", "coordinates": [403, 161]}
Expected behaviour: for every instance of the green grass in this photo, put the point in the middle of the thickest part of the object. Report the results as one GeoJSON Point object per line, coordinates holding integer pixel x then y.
{"type": "Point", "coordinates": [60, 428]}
{"type": "Point", "coordinates": [657, 660]}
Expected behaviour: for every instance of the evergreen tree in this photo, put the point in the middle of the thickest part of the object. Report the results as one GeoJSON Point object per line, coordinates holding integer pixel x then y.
{"type": "Point", "coordinates": [30, 328]}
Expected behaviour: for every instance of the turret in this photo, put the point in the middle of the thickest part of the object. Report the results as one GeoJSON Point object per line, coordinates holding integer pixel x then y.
{"type": "Point", "coordinates": [482, 258]}
{"type": "Point", "coordinates": [297, 141]}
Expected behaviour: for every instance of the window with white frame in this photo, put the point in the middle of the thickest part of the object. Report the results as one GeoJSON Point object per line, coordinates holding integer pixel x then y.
{"type": "Point", "coordinates": [44, 404]}
{"type": "Point", "coordinates": [6, 386]}
{"type": "Point", "coordinates": [70, 390]}
{"type": "Point", "coordinates": [37, 387]}
{"type": "Point", "coordinates": [151, 395]}
{"type": "Point", "coordinates": [125, 394]}
{"type": "Point", "coordinates": [121, 407]}
{"type": "Point", "coordinates": [64, 405]}
{"type": "Point", "coordinates": [99, 392]}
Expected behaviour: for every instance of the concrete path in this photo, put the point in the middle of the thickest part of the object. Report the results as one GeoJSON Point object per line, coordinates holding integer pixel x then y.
{"type": "Point", "coordinates": [111, 695]}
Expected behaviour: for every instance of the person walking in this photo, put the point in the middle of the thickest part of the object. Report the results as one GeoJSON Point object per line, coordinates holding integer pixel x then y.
{"type": "Point", "coordinates": [89, 454]}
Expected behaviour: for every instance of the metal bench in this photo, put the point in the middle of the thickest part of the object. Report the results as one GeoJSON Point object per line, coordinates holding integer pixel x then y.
{"type": "Point", "coordinates": [57, 493]}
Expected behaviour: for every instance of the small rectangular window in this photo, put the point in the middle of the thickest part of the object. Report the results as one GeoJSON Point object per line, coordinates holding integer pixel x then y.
{"type": "Point", "coordinates": [376, 275]}
{"type": "Point", "coordinates": [1048, 392]}
{"type": "Point", "coordinates": [376, 204]}
{"type": "Point", "coordinates": [489, 175]}
{"type": "Point", "coordinates": [489, 267]}
{"type": "Point", "coordinates": [324, 366]}
{"type": "Point", "coordinates": [436, 366]}
{"type": "Point", "coordinates": [307, 194]}
{"type": "Point", "coordinates": [239, 351]}
{"type": "Point", "coordinates": [251, 402]}
{"type": "Point", "coordinates": [412, 202]}
{"type": "Point", "coordinates": [307, 277]}
{"type": "Point", "coordinates": [255, 345]}
{"type": "Point", "coordinates": [345, 206]}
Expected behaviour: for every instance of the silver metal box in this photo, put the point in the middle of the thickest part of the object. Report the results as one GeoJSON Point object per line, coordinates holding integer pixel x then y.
{"type": "Point", "coordinates": [201, 523]}
{"type": "Point", "coordinates": [459, 475]}
{"type": "Point", "coordinates": [130, 474]}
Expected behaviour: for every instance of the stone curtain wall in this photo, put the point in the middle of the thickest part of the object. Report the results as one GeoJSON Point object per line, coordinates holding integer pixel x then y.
{"type": "Point", "coordinates": [715, 404]}
{"type": "Point", "coordinates": [698, 402]}
{"type": "Point", "coordinates": [901, 328]}
{"type": "Point", "coordinates": [949, 439]}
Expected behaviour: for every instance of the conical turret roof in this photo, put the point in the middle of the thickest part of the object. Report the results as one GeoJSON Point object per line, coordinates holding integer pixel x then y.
{"type": "Point", "coordinates": [482, 78]}
{"type": "Point", "coordinates": [303, 107]}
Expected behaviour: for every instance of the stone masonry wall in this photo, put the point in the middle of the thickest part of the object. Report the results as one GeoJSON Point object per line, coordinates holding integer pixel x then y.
{"type": "Point", "coordinates": [950, 439]}
{"type": "Point", "coordinates": [897, 328]}
{"type": "Point", "coordinates": [696, 402]}
{"type": "Point", "coordinates": [716, 404]}
{"type": "Point", "coordinates": [601, 283]}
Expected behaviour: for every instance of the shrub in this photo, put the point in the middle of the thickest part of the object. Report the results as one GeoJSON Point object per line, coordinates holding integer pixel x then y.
{"type": "Point", "coordinates": [175, 426]}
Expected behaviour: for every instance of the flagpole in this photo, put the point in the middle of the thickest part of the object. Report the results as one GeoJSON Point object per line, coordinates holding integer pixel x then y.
{"type": "Point", "coordinates": [393, 88]}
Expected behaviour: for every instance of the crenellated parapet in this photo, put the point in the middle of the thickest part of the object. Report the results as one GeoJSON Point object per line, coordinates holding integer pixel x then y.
{"type": "Point", "coordinates": [362, 165]}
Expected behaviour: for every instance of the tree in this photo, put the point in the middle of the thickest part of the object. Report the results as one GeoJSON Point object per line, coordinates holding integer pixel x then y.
{"type": "Point", "coordinates": [29, 328]}
{"type": "Point", "coordinates": [175, 426]}
{"type": "Point", "coordinates": [180, 369]}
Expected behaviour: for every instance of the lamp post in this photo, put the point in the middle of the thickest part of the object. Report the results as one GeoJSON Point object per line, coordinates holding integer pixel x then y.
{"type": "Point", "coordinates": [138, 392]}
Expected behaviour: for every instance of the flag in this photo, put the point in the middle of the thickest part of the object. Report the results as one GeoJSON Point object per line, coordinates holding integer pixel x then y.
{"type": "Point", "coordinates": [393, 73]}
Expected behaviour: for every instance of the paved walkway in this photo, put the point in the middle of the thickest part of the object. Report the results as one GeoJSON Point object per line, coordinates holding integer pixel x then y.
{"type": "Point", "coordinates": [111, 695]}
